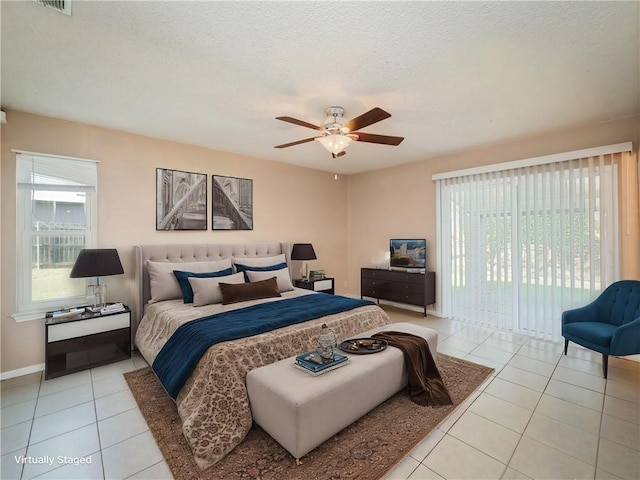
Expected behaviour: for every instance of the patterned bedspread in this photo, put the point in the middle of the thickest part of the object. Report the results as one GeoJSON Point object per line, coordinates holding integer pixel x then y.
{"type": "Point", "coordinates": [213, 404]}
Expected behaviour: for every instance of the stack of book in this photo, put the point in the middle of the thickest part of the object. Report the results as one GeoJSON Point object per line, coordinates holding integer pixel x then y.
{"type": "Point", "coordinates": [112, 308]}
{"type": "Point", "coordinates": [66, 313]}
{"type": "Point", "coordinates": [316, 275]}
{"type": "Point", "coordinates": [313, 364]}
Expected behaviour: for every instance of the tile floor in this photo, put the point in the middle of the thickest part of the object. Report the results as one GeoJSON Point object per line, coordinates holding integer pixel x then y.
{"type": "Point", "coordinates": [540, 415]}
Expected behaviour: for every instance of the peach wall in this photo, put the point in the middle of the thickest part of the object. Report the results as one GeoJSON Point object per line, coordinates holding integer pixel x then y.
{"type": "Point", "coordinates": [362, 211]}
{"type": "Point", "coordinates": [400, 201]}
{"type": "Point", "coordinates": [283, 208]}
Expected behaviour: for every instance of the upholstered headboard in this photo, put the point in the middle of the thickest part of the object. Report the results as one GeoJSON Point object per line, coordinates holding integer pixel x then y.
{"type": "Point", "coordinates": [200, 252]}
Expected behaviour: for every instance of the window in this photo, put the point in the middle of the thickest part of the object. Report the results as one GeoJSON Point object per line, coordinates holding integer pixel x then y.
{"type": "Point", "coordinates": [56, 217]}
{"type": "Point", "coordinates": [521, 245]}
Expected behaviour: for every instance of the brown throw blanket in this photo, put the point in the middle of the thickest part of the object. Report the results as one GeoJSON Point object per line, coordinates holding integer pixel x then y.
{"type": "Point", "coordinates": [425, 383]}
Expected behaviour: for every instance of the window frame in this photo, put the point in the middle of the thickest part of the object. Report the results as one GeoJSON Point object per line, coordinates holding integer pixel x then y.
{"type": "Point", "coordinates": [27, 308]}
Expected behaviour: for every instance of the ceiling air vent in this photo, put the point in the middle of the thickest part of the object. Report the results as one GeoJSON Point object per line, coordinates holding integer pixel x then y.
{"type": "Point", "coordinates": [62, 6]}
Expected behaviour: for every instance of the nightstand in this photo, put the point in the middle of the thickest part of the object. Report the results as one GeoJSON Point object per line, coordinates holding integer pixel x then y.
{"type": "Point", "coordinates": [325, 285]}
{"type": "Point", "coordinates": [85, 341]}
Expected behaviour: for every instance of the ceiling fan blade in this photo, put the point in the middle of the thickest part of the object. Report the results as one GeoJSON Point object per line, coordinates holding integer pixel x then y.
{"type": "Point", "coordinates": [374, 115]}
{"type": "Point", "coordinates": [302, 123]}
{"type": "Point", "coordinates": [285, 145]}
{"type": "Point", "coordinates": [339, 154]}
{"type": "Point", "coordinates": [383, 139]}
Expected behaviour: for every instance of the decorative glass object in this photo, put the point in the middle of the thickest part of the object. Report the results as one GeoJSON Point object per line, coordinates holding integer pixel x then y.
{"type": "Point", "coordinates": [98, 294]}
{"type": "Point", "coordinates": [327, 343]}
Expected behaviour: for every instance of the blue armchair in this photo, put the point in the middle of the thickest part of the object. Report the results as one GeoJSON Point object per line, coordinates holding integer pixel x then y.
{"type": "Point", "coordinates": [609, 325]}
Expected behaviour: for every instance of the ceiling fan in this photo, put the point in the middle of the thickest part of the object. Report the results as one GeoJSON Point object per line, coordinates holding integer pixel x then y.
{"type": "Point", "coordinates": [336, 134]}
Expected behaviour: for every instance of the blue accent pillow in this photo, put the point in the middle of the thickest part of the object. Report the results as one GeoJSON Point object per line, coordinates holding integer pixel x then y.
{"type": "Point", "coordinates": [244, 268]}
{"type": "Point", "coordinates": [185, 286]}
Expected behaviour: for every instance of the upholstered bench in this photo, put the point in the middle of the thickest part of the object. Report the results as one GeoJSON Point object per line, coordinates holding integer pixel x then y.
{"type": "Point", "coordinates": [301, 411]}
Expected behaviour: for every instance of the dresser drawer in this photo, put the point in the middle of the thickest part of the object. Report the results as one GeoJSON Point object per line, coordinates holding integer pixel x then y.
{"type": "Point", "coordinates": [415, 278]}
{"type": "Point", "coordinates": [405, 288]}
{"type": "Point", "coordinates": [378, 274]}
{"type": "Point", "coordinates": [89, 342]}
{"type": "Point", "coordinates": [320, 285]}
{"type": "Point", "coordinates": [369, 288]}
{"type": "Point", "coordinates": [404, 297]}
{"type": "Point", "coordinates": [65, 331]}
{"type": "Point", "coordinates": [392, 275]}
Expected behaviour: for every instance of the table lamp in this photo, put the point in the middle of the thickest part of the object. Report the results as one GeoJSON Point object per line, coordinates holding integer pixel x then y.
{"type": "Point", "coordinates": [304, 252]}
{"type": "Point", "coordinates": [97, 262]}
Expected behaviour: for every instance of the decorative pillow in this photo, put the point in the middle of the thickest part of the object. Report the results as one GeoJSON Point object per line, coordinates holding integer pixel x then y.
{"type": "Point", "coordinates": [272, 268]}
{"type": "Point", "coordinates": [282, 278]}
{"type": "Point", "coordinates": [185, 286]}
{"type": "Point", "coordinates": [207, 290]}
{"type": "Point", "coordinates": [163, 283]}
{"type": "Point", "coordinates": [260, 261]}
{"type": "Point", "coordinates": [275, 262]}
{"type": "Point", "coordinates": [262, 264]}
{"type": "Point", "coordinates": [233, 293]}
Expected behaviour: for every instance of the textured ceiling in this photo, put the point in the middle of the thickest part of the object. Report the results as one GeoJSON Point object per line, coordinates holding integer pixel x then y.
{"type": "Point", "coordinates": [453, 75]}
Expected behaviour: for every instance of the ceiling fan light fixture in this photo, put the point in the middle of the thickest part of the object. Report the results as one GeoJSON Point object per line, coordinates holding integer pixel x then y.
{"type": "Point", "coordinates": [335, 134]}
{"type": "Point", "coordinates": [335, 143]}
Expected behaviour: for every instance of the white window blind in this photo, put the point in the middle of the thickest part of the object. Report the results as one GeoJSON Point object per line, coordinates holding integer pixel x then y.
{"type": "Point", "coordinates": [519, 246]}
{"type": "Point", "coordinates": [56, 217]}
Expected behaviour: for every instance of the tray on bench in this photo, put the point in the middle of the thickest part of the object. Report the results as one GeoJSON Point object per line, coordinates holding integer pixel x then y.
{"type": "Point", "coordinates": [363, 346]}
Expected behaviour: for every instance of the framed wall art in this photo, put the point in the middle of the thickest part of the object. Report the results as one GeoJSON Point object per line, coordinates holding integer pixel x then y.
{"type": "Point", "coordinates": [232, 206]}
{"type": "Point", "coordinates": [181, 200]}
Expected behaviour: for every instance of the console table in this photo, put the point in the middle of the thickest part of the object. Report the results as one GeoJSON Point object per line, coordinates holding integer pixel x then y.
{"type": "Point", "coordinates": [397, 286]}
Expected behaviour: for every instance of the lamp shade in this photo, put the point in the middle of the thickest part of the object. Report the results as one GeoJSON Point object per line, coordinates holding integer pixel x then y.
{"type": "Point", "coordinates": [335, 143]}
{"type": "Point", "coordinates": [303, 251]}
{"type": "Point", "coordinates": [97, 262]}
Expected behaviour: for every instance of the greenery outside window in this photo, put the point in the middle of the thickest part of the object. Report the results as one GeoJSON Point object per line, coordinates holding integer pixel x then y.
{"type": "Point", "coordinates": [56, 217]}
{"type": "Point", "coordinates": [523, 241]}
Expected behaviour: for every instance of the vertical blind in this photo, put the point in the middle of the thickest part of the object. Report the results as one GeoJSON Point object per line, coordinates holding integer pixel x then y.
{"type": "Point", "coordinates": [519, 246]}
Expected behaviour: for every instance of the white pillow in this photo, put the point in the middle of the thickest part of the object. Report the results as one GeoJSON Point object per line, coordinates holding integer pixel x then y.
{"type": "Point", "coordinates": [163, 283]}
{"type": "Point", "coordinates": [282, 277]}
{"type": "Point", "coordinates": [260, 261]}
{"type": "Point", "coordinates": [207, 290]}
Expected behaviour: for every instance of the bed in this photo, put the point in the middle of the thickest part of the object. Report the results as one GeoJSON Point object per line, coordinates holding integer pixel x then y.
{"type": "Point", "coordinates": [212, 403]}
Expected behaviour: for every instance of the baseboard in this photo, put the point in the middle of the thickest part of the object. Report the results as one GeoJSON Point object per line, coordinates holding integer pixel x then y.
{"type": "Point", "coordinates": [22, 371]}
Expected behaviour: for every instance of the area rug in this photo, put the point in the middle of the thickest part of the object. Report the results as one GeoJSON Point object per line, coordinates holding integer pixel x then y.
{"type": "Point", "coordinates": [365, 450]}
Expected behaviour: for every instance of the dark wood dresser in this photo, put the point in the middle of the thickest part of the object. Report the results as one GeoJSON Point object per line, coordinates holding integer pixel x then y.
{"type": "Point", "coordinates": [396, 286]}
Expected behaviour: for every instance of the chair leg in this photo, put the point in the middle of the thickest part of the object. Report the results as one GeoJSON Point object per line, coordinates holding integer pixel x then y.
{"type": "Point", "coordinates": [605, 364]}
{"type": "Point", "coordinates": [566, 345]}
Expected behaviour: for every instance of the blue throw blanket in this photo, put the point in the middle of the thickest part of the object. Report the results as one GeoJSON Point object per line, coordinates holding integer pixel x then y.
{"type": "Point", "coordinates": [183, 350]}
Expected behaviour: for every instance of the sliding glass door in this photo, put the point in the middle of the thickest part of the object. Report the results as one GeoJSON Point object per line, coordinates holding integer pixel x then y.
{"type": "Point", "coordinates": [520, 246]}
